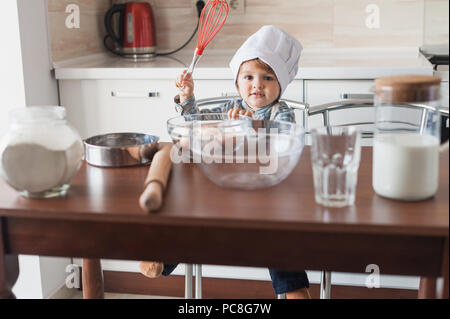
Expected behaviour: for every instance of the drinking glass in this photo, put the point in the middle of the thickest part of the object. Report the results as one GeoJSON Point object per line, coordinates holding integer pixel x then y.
{"type": "Point", "coordinates": [335, 155]}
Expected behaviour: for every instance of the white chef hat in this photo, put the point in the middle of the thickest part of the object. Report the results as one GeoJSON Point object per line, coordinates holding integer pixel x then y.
{"type": "Point", "coordinates": [280, 50]}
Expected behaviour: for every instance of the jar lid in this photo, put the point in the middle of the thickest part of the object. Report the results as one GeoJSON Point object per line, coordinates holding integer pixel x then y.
{"type": "Point", "coordinates": [408, 88]}
{"type": "Point", "coordinates": [34, 114]}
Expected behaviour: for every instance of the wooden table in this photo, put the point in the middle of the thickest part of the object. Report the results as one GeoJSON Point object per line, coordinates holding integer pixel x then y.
{"type": "Point", "coordinates": [201, 223]}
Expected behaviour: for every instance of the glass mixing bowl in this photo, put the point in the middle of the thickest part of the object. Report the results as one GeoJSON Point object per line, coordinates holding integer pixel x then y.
{"type": "Point", "coordinates": [253, 155]}
{"type": "Point", "coordinates": [180, 130]}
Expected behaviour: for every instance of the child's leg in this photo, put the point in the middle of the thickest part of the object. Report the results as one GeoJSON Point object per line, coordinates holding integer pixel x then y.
{"type": "Point", "coordinates": [168, 268]}
{"type": "Point", "coordinates": [302, 293]}
{"type": "Point", "coordinates": [294, 283]}
{"type": "Point", "coordinates": [154, 269]}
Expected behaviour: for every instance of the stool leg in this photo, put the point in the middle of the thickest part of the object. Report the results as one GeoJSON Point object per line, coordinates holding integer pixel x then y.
{"type": "Point", "coordinates": [198, 281]}
{"type": "Point", "coordinates": [281, 296]}
{"type": "Point", "coordinates": [325, 285]}
{"type": "Point", "coordinates": [188, 282]}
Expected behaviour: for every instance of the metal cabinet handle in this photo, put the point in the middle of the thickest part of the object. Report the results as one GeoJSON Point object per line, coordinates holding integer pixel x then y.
{"type": "Point", "coordinates": [356, 96]}
{"type": "Point", "coordinates": [135, 94]}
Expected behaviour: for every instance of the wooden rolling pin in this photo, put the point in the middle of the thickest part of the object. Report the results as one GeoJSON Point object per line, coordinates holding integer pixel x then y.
{"type": "Point", "coordinates": [156, 181]}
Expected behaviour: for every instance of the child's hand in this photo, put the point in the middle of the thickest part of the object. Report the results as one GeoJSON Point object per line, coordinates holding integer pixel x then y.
{"type": "Point", "coordinates": [235, 112]}
{"type": "Point", "coordinates": [185, 86]}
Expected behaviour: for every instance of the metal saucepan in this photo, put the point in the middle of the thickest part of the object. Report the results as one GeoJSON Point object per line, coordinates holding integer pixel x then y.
{"type": "Point", "coordinates": [120, 149]}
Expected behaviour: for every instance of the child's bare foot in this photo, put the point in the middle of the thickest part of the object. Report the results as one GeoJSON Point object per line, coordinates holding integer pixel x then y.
{"type": "Point", "coordinates": [298, 294]}
{"type": "Point", "coordinates": [151, 269]}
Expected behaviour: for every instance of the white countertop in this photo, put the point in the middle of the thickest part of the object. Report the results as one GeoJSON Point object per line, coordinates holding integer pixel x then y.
{"type": "Point", "coordinates": [354, 63]}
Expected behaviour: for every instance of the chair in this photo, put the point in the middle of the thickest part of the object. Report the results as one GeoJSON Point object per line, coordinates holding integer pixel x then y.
{"type": "Point", "coordinates": [326, 109]}
{"type": "Point", "coordinates": [189, 271]}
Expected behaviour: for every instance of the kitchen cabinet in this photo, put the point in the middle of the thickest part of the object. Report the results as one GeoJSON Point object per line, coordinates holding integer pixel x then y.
{"type": "Point", "coordinates": [214, 88]}
{"type": "Point", "coordinates": [105, 106]}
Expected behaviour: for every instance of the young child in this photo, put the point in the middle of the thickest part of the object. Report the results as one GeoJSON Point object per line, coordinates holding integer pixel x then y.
{"type": "Point", "coordinates": [262, 68]}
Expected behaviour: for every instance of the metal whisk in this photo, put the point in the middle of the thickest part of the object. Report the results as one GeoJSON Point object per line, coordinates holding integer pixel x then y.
{"type": "Point", "coordinates": [212, 18]}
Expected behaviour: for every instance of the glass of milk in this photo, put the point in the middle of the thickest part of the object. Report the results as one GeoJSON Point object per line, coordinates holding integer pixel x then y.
{"type": "Point", "coordinates": [335, 156]}
{"type": "Point", "coordinates": [407, 137]}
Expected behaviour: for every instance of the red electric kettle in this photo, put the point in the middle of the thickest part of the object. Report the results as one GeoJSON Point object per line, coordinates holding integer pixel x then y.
{"type": "Point", "coordinates": [136, 37]}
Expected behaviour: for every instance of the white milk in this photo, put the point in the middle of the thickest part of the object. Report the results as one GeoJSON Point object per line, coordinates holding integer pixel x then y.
{"type": "Point", "coordinates": [405, 166]}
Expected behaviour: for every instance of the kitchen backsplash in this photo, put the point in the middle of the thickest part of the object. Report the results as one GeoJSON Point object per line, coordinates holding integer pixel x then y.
{"type": "Point", "coordinates": [317, 24]}
{"type": "Point", "coordinates": [71, 42]}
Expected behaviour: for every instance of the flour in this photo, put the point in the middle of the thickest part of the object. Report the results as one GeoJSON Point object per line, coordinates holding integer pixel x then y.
{"type": "Point", "coordinates": [36, 168]}
{"type": "Point", "coordinates": [40, 151]}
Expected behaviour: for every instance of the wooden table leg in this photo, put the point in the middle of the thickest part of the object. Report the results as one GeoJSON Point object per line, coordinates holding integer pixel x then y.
{"type": "Point", "coordinates": [9, 270]}
{"type": "Point", "coordinates": [444, 293]}
{"type": "Point", "coordinates": [427, 288]}
{"type": "Point", "coordinates": [92, 279]}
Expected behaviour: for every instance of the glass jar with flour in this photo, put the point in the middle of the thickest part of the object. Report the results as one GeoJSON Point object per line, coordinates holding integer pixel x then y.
{"type": "Point", "coordinates": [407, 137]}
{"type": "Point", "coordinates": [41, 152]}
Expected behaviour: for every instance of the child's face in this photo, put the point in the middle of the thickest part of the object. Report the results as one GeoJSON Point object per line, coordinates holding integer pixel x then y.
{"type": "Point", "coordinates": [257, 86]}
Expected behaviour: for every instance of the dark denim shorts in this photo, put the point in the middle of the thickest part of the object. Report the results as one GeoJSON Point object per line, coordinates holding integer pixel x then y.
{"type": "Point", "coordinates": [282, 281]}
{"type": "Point", "coordinates": [168, 268]}
{"type": "Point", "coordinates": [287, 281]}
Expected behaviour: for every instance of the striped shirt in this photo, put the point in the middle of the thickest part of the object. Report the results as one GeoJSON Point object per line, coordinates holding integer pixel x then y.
{"type": "Point", "coordinates": [282, 111]}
